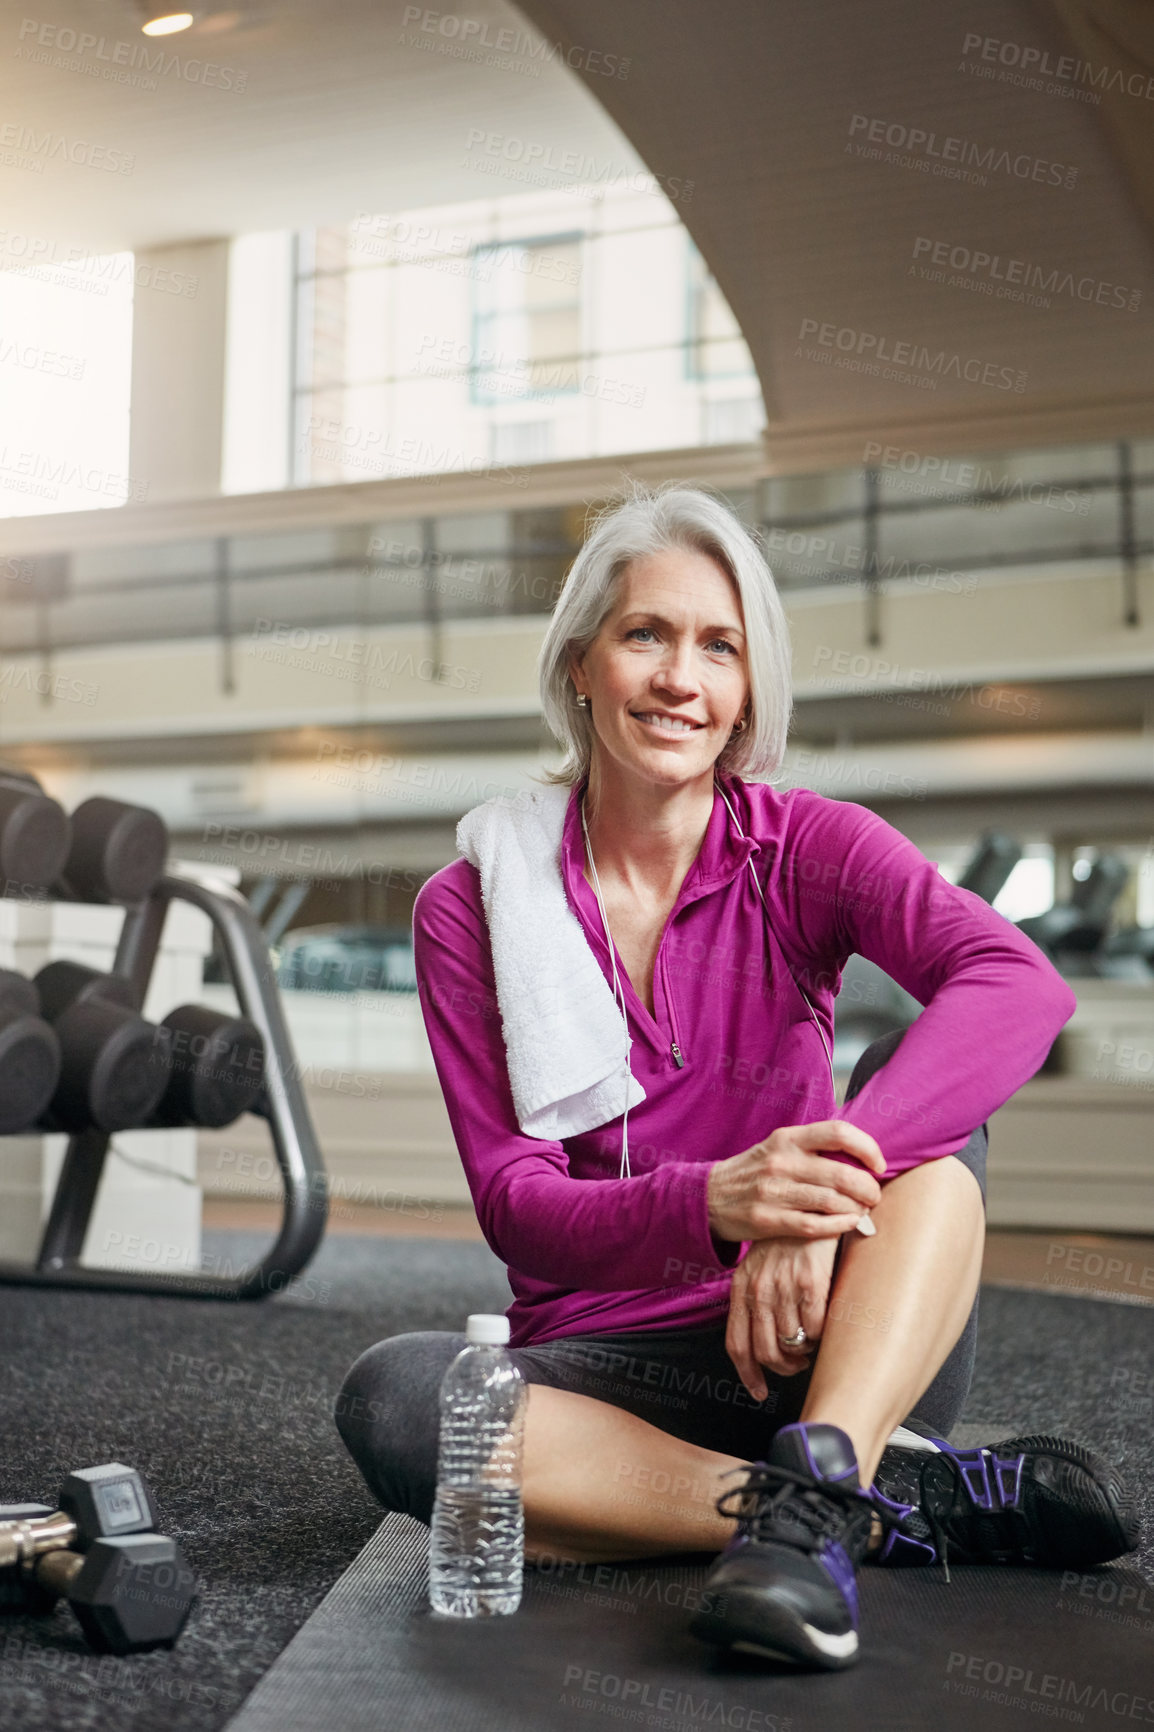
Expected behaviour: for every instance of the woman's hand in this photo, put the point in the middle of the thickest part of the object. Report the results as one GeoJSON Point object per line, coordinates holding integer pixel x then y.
{"type": "Point", "coordinates": [780, 1285]}
{"type": "Point", "coordinates": [781, 1188]}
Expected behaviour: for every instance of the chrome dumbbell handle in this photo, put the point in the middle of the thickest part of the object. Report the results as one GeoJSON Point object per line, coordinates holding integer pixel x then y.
{"type": "Point", "coordinates": [24, 1541]}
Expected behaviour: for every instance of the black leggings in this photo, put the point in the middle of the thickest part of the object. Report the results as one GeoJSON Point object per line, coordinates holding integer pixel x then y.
{"type": "Point", "coordinates": [681, 1380]}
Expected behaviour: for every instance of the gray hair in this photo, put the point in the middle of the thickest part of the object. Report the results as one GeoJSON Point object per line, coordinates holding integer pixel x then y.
{"type": "Point", "coordinates": [647, 521]}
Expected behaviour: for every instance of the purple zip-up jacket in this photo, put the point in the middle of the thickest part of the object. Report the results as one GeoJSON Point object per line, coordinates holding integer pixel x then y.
{"type": "Point", "coordinates": [731, 1052]}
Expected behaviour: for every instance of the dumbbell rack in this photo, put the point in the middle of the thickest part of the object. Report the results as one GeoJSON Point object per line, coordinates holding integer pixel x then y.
{"type": "Point", "coordinates": [294, 1139]}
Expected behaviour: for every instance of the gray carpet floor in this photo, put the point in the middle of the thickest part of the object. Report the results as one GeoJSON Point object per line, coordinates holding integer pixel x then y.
{"type": "Point", "coordinates": [226, 1409]}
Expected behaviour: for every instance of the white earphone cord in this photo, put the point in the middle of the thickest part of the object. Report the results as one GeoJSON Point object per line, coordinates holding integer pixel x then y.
{"type": "Point", "coordinates": [619, 1001]}
{"type": "Point", "coordinates": [625, 1172]}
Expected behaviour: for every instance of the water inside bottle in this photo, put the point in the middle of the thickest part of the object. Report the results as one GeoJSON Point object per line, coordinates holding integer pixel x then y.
{"type": "Point", "coordinates": [476, 1551]}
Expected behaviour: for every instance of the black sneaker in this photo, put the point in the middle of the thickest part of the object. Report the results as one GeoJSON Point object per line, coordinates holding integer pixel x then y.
{"type": "Point", "coordinates": [784, 1587]}
{"type": "Point", "coordinates": [1029, 1500]}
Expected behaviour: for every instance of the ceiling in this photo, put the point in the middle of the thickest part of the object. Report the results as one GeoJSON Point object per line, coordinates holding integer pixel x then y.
{"type": "Point", "coordinates": [767, 108]}
{"type": "Point", "coordinates": [310, 113]}
{"type": "Point", "coordinates": [753, 115]}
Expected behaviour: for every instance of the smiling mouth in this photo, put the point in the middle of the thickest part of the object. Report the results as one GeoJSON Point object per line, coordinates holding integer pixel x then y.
{"type": "Point", "coordinates": [665, 724]}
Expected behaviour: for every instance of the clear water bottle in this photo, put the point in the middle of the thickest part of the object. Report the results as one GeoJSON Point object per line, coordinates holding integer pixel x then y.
{"type": "Point", "coordinates": [477, 1546]}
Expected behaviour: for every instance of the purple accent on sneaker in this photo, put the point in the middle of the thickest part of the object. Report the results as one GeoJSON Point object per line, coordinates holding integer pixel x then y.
{"type": "Point", "coordinates": [900, 1549]}
{"type": "Point", "coordinates": [999, 1490]}
{"type": "Point", "coordinates": [898, 1510]}
{"type": "Point", "coordinates": [841, 1572]}
{"type": "Point", "coordinates": [802, 1429]}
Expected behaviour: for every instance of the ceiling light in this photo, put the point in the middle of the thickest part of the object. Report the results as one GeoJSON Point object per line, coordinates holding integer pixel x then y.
{"type": "Point", "coordinates": [167, 23]}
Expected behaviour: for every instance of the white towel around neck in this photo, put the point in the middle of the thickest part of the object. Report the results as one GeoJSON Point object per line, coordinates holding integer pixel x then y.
{"type": "Point", "coordinates": [565, 1043]}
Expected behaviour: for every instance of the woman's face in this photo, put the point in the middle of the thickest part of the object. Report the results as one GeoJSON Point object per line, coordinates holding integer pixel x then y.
{"type": "Point", "coordinates": [672, 647]}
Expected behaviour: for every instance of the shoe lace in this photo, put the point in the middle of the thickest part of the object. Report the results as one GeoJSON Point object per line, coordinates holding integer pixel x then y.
{"type": "Point", "coordinates": [937, 1510]}
{"type": "Point", "coordinates": [813, 1509]}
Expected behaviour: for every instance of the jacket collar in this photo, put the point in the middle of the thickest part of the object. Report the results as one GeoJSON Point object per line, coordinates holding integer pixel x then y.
{"type": "Point", "coordinates": [722, 855]}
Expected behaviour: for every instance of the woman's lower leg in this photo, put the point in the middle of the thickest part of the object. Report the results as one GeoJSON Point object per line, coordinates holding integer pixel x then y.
{"type": "Point", "coordinates": [898, 1304]}
{"type": "Point", "coordinates": [600, 1484]}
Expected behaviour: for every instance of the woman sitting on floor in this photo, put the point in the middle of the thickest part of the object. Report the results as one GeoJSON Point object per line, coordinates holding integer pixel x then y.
{"type": "Point", "coordinates": [714, 1270]}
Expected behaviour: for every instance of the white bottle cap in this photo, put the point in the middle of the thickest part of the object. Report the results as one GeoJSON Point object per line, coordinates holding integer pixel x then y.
{"type": "Point", "coordinates": [485, 1330]}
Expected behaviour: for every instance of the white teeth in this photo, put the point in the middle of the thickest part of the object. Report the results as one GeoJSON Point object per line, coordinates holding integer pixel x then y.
{"type": "Point", "coordinates": [672, 724]}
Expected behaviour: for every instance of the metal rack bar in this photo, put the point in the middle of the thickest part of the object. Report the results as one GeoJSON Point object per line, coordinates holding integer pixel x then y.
{"type": "Point", "coordinates": [283, 1105]}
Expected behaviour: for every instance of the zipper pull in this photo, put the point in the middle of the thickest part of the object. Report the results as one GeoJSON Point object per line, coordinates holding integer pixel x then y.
{"type": "Point", "coordinates": [677, 1058]}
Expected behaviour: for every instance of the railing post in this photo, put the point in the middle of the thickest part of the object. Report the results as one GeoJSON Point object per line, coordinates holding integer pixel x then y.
{"type": "Point", "coordinates": [870, 561]}
{"type": "Point", "coordinates": [1127, 541]}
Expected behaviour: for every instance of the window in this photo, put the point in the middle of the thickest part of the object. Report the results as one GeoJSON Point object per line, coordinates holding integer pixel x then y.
{"type": "Point", "coordinates": [527, 320]}
{"type": "Point", "coordinates": [716, 348]}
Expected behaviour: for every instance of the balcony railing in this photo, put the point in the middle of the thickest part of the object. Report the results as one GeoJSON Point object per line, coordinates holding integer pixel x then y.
{"type": "Point", "coordinates": [863, 527]}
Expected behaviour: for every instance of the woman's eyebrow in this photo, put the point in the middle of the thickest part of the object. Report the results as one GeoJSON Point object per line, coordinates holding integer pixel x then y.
{"type": "Point", "coordinates": [645, 613]}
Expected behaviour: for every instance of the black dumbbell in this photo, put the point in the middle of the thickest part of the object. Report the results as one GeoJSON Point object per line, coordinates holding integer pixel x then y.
{"type": "Point", "coordinates": [35, 834]}
{"type": "Point", "coordinates": [217, 1067]}
{"type": "Point", "coordinates": [117, 852]}
{"type": "Point", "coordinates": [131, 1588]}
{"type": "Point", "coordinates": [29, 1055]}
{"type": "Point", "coordinates": [114, 1065]}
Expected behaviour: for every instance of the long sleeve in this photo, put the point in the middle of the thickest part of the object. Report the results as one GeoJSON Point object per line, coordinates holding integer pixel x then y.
{"type": "Point", "coordinates": [993, 1002]}
{"type": "Point", "coordinates": [599, 1233]}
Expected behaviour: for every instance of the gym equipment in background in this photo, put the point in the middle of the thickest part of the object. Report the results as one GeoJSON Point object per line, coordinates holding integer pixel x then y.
{"type": "Point", "coordinates": [116, 855]}
{"type": "Point", "coordinates": [198, 1090]}
{"type": "Point", "coordinates": [35, 834]}
{"type": "Point", "coordinates": [130, 1587]}
{"type": "Point", "coordinates": [869, 1003]}
{"type": "Point", "coordinates": [216, 1068]}
{"type": "Point", "coordinates": [1070, 932]}
{"type": "Point", "coordinates": [115, 1066]}
{"type": "Point", "coordinates": [118, 1071]}
{"type": "Point", "coordinates": [988, 869]}
{"type": "Point", "coordinates": [29, 1054]}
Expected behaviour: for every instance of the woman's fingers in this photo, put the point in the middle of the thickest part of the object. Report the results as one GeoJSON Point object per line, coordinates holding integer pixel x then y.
{"type": "Point", "coordinates": [820, 1199]}
{"type": "Point", "coordinates": [840, 1176]}
{"type": "Point", "coordinates": [812, 1309]}
{"type": "Point", "coordinates": [739, 1346]}
{"type": "Point", "coordinates": [775, 1321]}
{"type": "Point", "coordinates": [836, 1134]}
{"type": "Point", "coordinates": [778, 1223]}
